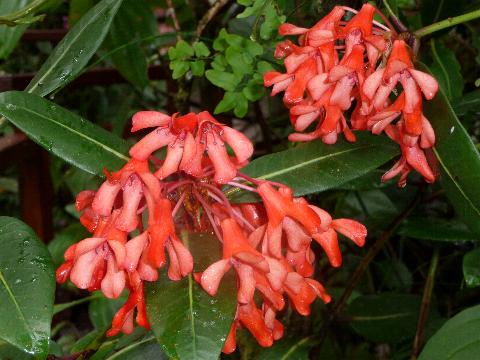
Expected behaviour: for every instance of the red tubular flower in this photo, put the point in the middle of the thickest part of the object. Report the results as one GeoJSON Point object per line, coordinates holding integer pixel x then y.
{"type": "Point", "coordinates": [413, 157]}
{"type": "Point", "coordinates": [123, 319]}
{"type": "Point", "coordinates": [188, 137]}
{"type": "Point", "coordinates": [135, 214]}
{"type": "Point", "coordinates": [97, 262]}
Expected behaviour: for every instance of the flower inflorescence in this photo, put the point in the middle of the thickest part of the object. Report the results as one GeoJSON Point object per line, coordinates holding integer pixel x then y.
{"type": "Point", "coordinates": [337, 63]}
{"type": "Point", "coordinates": [136, 214]}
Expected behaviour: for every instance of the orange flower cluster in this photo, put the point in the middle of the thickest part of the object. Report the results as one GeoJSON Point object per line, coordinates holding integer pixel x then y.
{"type": "Point", "coordinates": [135, 215]}
{"type": "Point", "coordinates": [337, 63]}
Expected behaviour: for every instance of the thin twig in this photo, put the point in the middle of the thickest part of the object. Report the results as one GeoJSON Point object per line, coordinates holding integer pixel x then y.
{"type": "Point", "coordinates": [173, 15]}
{"type": "Point", "coordinates": [209, 15]}
{"type": "Point", "coordinates": [363, 265]}
{"type": "Point", "coordinates": [427, 295]}
{"type": "Point", "coordinates": [400, 26]}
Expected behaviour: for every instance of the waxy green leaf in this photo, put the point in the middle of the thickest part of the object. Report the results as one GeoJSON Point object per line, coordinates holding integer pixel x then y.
{"type": "Point", "coordinates": [134, 20]}
{"type": "Point", "coordinates": [457, 339]}
{"type": "Point", "coordinates": [315, 166]}
{"type": "Point", "coordinates": [9, 35]}
{"type": "Point", "coordinates": [459, 160]}
{"type": "Point", "coordinates": [289, 349]}
{"type": "Point", "coordinates": [75, 50]}
{"type": "Point", "coordinates": [63, 133]}
{"type": "Point", "coordinates": [189, 323]}
{"type": "Point", "coordinates": [385, 318]}
{"type": "Point", "coordinates": [471, 268]}
{"type": "Point", "coordinates": [27, 286]}
{"type": "Point", "coordinates": [437, 230]}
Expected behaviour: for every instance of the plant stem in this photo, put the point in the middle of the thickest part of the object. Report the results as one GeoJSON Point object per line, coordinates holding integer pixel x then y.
{"type": "Point", "coordinates": [427, 295]}
{"type": "Point", "coordinates": [447, 23]}
{"type": "Point", "coordinates": [209, 15]}
{"type": "Point", "coordinates": [363, 265]}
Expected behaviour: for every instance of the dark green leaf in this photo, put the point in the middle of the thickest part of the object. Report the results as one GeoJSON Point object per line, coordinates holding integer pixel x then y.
{"type": "Point", "coordinates": [134, 20]}
{"type": "Point", "coordinates": [368, 181]}
{"type": "Point", "coordinates": [63, 240]}
{"type": "Point", "coordinates": [459, 160]}
{"type": "Point", "coordinates": [27, 288]}
{"type": "Point", "coordinates": [145, 349]}
{"type": "Point", "coordinates": [188, 323]}
{"type": "Point", "coordinates": [446, 69]}
{"type": "Point", "coordinates": [101, 310]}
{"type": "Point", "coordinates": [75, 50]}
{"type": "Point", "coordinates": [89, 341]}
{"type": "Point", "coordinates": [9, 35]}
{"type": "Point", "coordinates": [316, 166]}
{"type": "Point", "coordinates": [63, 133]}
{"type": "Point", "coordinates": [9, 352]}
{"type": "Point", "coordinates": [468, 102]}
{"type": "Point", "coordinates": [437, 230]}
{"type": "Point", "coordinates": [289, 349]}
{"type": "Point", "coordinates": [225, 80]}
{"type": "Point", "coordinates": [471, 268]}
{"type": "Point", "coordinates": [385, 318]}
{"type": "Point", "coordinates": [457, 339]}
{"type": "Point", "coordinates": [77, 9]}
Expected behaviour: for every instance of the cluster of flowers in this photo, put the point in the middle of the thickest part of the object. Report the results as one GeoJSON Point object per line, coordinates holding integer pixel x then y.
{"type": "Point", "coordinates": [137, 212]}
{"type": "Point", "coordinates": [338, 62]}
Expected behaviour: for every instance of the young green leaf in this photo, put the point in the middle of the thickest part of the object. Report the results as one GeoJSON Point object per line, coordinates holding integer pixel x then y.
{"type": "Point", "coordinates": [75, 50]}
{"type": "Point", "coordinates": [189, 323]}
{"type": "Point", "coordinates": [225, 80]}
{"type": "Point", "coordinates": [201, 50]}
{"type": "Point", "coordinates": [27, 286]}
{"type": "Point", "coordinates": [64, 133]}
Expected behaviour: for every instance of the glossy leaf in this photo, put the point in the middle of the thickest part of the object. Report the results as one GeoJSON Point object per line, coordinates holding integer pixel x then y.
{"type": "Point", "coordinates": [437, 230]}
{"type": "Point", "coordinates": [468, 102]}
{"type": "Point", "coordinates": [385, 318]}
{"type": "Point", "coordinates": [315, 166]}
{"type": "Point", "coordinates": [446, 70]}
{"type": "Point", "coordinates": [63, 240]}
{"type": "Point", "coordinates": [471, 268]}
{"type": "Point", "coordinates": [63, 133]}
{"type": "Point", "coordinates": [134, 20]}
{"type": "Point", "coordinates": [75, 50]}
{"type": "Point", "coordinates": [289, 349]}
{"type": "Point", "coordinates": [9, 35]}
{"type": "Point", "coordinates": [189, 323]}
{"type": "Point", "coordinates": [459, 160]}
{"type": "Point", "coordinates": [457, 339]}
{"type": "Point", "coordinates": [144, 349]}
{"type": "Point", "coordinates": [27, 288]}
